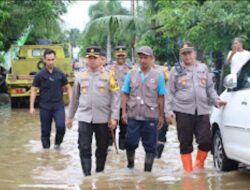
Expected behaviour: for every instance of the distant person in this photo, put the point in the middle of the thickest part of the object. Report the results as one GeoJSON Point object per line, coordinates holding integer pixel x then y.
{"type": "Point", "coordinates": [51, 82]}
{"type": "Point", "coordinates": [103, 59]}
{"type": "Point", "coordinates": [120, 69]}
{"type": "Point", "coordinates": [238, 56]}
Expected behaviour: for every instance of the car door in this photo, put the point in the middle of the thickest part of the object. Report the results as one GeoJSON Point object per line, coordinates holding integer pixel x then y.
{"type": "Point", "coordinates": [236, 118]}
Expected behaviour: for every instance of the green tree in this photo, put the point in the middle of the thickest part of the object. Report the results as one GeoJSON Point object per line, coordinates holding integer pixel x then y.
{"type": "Point", "coordinates": [43, 16]}
{"type": "Point", "coordinates": [109, 22]}
{"type": "Point", "coordinates": [73, 36]}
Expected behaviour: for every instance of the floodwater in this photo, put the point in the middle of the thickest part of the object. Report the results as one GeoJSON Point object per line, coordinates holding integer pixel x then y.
{"type": "Point", "coordinates": [25, 165]}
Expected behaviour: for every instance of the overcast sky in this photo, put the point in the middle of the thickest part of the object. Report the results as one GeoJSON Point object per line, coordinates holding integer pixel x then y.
{"type": "Point", "coordinates": [77, 15]}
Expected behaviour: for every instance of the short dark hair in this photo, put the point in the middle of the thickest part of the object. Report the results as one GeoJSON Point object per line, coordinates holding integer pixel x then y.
{"type": "Point", "coordinates": [48, 52]}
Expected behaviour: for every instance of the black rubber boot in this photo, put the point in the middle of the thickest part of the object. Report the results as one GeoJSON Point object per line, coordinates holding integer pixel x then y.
{"type": "Point", "coordinates": [46, 142]}
{"type": "Point", "coordinates": [131, 159]}
{"type": "Point", "coordinates": [86, 166]}
{"type": "Point", "coordinates": [159, 150]}
{"type": "Point", "coordinates": [100, 164]}
{"type": "Point", "coordinates": [149, 160]}
{"type": "Point", "coordinates": [121, 144]}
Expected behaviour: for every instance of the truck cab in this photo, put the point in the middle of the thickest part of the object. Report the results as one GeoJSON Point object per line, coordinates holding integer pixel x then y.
{"type": "Point", "coordinates": [30, 61]}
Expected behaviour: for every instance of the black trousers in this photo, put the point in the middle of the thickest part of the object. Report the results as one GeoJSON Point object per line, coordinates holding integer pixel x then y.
{"type": "Point", "coordinates": [189, 125]}
{"type": "Point", "coordinates": [86, 131]}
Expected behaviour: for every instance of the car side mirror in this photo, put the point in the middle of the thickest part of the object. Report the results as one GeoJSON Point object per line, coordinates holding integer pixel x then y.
{"type": "Point", "coordinates": [230, 81]}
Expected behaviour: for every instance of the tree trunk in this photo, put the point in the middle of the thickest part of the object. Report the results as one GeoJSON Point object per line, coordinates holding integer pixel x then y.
{"type": "Point", "coordinates": [134, 37]}
{"type": "Point", "coordinates": [109, 59]}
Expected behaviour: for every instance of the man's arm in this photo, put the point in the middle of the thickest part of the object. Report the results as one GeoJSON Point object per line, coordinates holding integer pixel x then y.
{"type": "Point", "coordinates": [125, 96]}
{"type": "Point", "coordinates": [169, 96]}
{"type": "Point", "coordinates": [230, 55]}
{"type": "Point", "coordinates": [73, 104]}
{"type": "Point", "coordinates": [161, 93]}
{"type": "Point", "coordinates": [211, 92]}
{"type": "Point", "coordinates": [161, 111]}
{"type": "Point", "coordinates": [68, 88]}
{"type": "Point", "coordinates": [33, 99]}
{"type": "Point", "coordinates": [124, 108]}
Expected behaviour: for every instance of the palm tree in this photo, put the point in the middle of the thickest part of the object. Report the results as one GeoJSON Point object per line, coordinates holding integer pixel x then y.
{"type": "Point", "coordinates": [109, 18]}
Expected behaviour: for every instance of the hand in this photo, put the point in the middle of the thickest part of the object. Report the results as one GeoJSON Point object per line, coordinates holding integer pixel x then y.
{"type": "Point", "coordinates": [125, 118]}
{"type": "Point", "coordinates": [112, 124]}
{"type": "Point", "coordinates": [169, 119]}
{"type": "Point", "coordinates": [69, 123]}
{"type": "Point", "coordinates": [32, 111]}
{"type": "Point", "coordinates": [160, 122]}
{"type": "Point", "coordinates": [220, 103]}
{"type": "Point", "coordinates": [234, 49]}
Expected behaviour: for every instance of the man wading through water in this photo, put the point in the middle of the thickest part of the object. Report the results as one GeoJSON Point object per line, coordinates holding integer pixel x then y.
{"type": "Point", "coordinates": [142, 107]}
{"type": "Point", "coordinates": [96, 95]}
{"type": "Point", "coordinates": [189, 90]}
{"type": "Point", "coordinates": [50, 82]}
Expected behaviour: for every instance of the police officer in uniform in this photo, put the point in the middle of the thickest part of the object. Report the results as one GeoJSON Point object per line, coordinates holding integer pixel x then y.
{"type": "Point", "coordinates": [190, 87]}
{"type": "Point", "coordinates": [120, 69]}
{"type": "Point", "coordinates": [96, 95]}
{"type": "Point", "coordinates": [142, 107]}
{"type": "Point", "coordinates": [50, 82]}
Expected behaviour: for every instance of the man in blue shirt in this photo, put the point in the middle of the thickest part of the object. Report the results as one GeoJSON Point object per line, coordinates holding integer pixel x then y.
{"type": "Point", "coordinates": [142, 107]}
{"type": "Point", "coordinates": [50, 82]}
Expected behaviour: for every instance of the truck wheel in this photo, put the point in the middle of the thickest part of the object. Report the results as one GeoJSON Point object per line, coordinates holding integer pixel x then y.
{"type": "Point", "coordinates": [40, 65]}
{"type": "Point", "coordinates": [221, 162]}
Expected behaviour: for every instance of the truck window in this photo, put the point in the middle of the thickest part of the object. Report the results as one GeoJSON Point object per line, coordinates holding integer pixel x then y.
{"type": "Point", "coordinates": [37, 53]}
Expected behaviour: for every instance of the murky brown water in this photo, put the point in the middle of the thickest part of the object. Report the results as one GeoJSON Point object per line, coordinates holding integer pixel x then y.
{"type": "Point", "coordinates": [25, 165]}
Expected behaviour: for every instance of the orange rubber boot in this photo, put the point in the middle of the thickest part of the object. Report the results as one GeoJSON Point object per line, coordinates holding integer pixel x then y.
{"type": "Point", "coordinates": [200, 158]}
{"type": "Point", "coordinates": [187, 162]}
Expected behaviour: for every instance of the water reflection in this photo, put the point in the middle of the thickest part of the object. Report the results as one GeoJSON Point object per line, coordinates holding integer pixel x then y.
{"type": "Point", "coordinates": [25, 165]}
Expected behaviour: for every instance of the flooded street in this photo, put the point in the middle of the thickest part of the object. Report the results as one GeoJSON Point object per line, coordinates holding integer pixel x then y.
{"type": "Point", "coordinates": [25, 165]}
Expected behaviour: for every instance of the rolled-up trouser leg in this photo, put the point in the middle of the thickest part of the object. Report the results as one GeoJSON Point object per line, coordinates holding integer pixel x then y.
{"type": "Point", "coordinates": [46, 121]}
{"type": "Point", "coordinates": [84, 145]}
{"type": "Point", "coordinates": [59, 117]}
{"type": "Point", "coordinates": [102, 141]}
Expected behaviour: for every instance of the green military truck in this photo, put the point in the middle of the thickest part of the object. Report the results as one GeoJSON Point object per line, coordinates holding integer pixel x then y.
{"type": "Point", "coordinates": [28, 63]}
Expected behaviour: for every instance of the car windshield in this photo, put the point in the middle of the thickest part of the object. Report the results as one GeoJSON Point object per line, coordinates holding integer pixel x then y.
{"type": "Point", "coordinates": [244, 77]}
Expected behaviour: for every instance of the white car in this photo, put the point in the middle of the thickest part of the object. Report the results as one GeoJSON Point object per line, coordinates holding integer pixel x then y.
{"type": "Point", "coordinates": [231, 124]}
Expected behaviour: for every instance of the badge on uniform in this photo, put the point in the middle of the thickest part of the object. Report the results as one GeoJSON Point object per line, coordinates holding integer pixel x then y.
{"type": "Point", "coordinates": [113, 84]}
{"type": "Point", "coordinates": [203, 82]}
{"type": "Point", "coordinates": [102, 88]}
{"type": "Point", "coordinates": [84, 90]}
{"type": "Point", "coordinates": [184, 80]}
